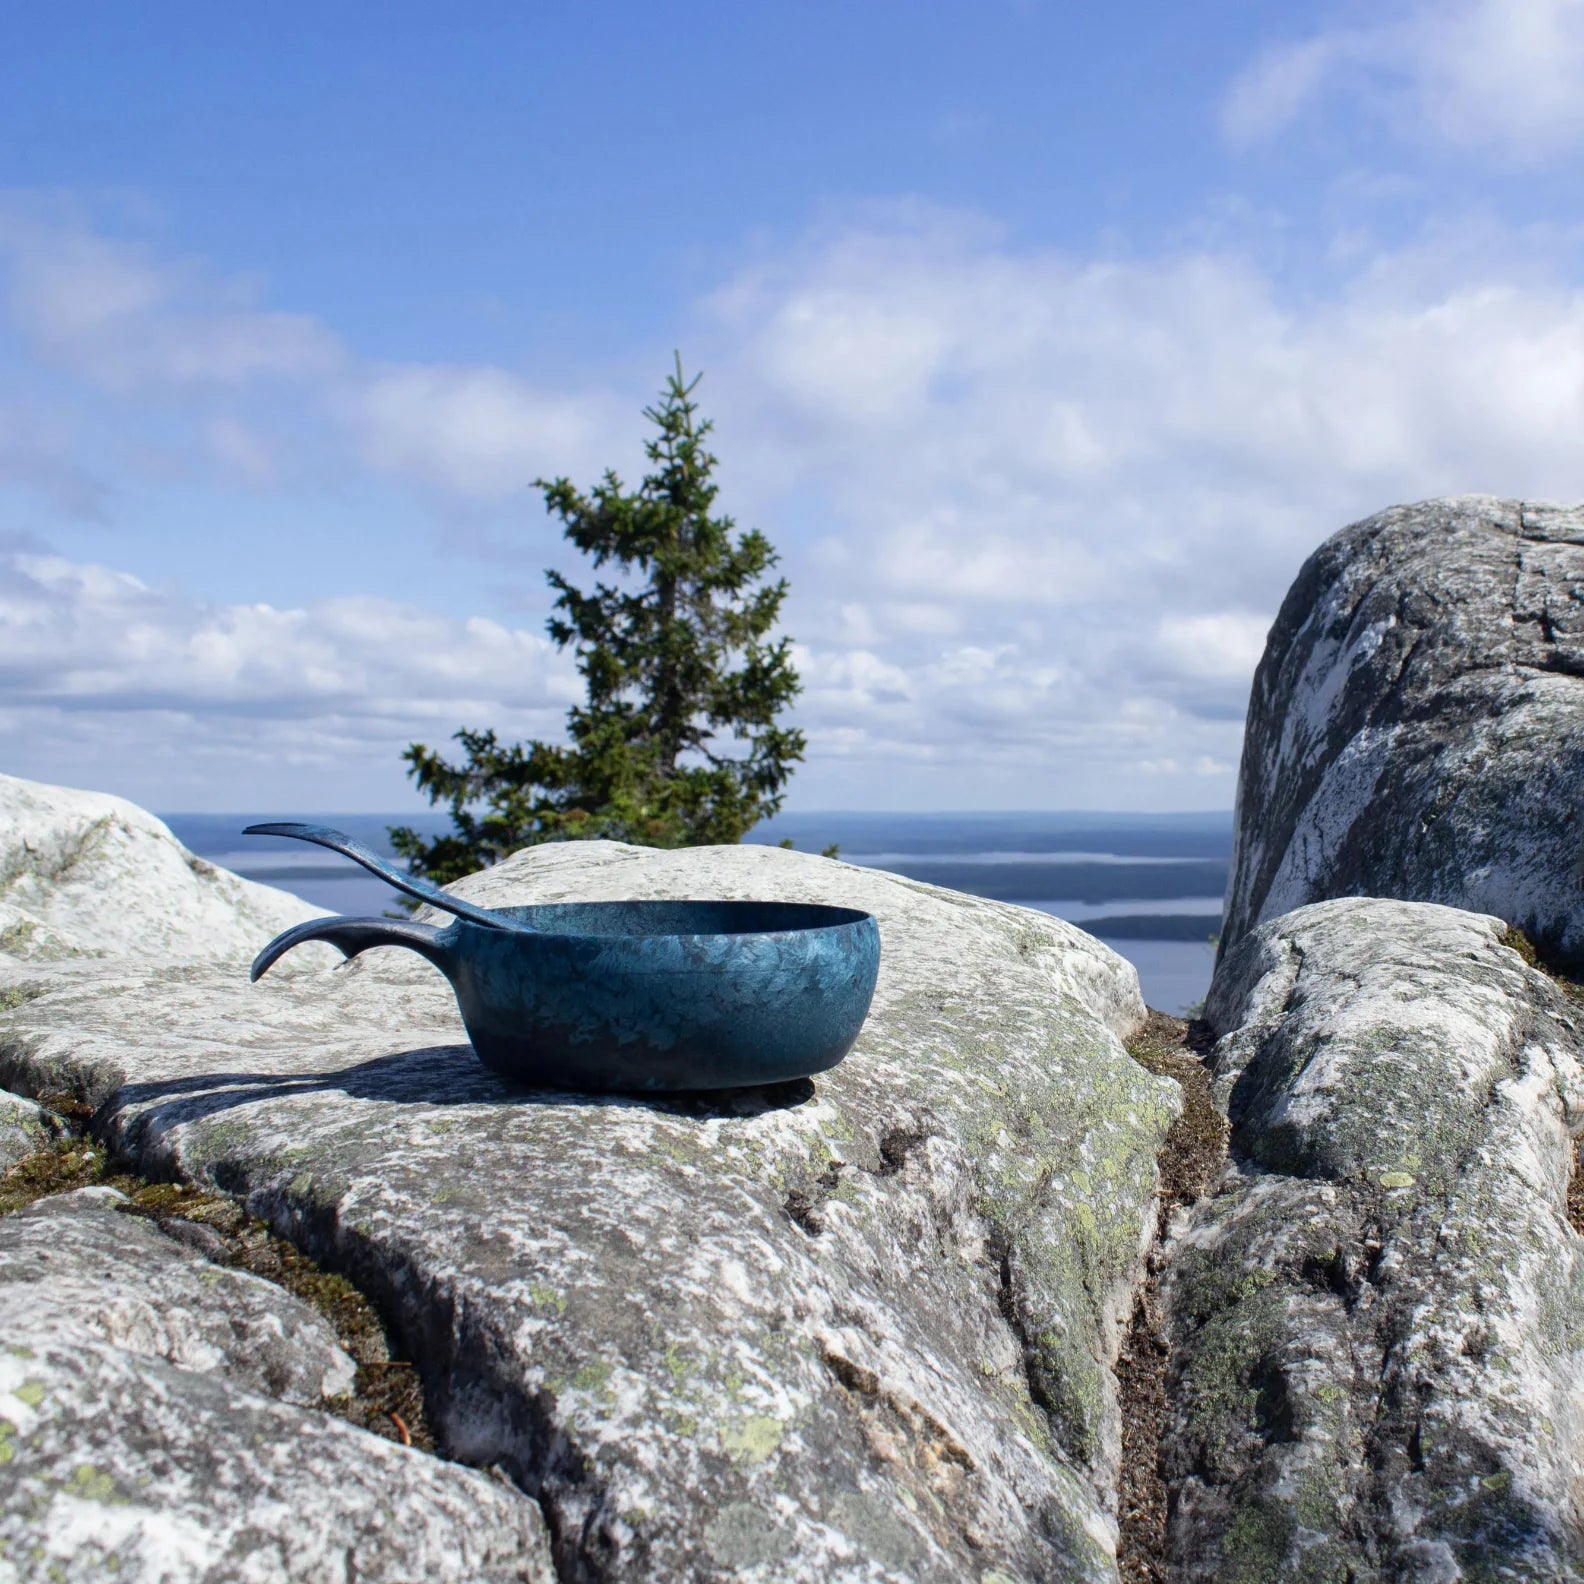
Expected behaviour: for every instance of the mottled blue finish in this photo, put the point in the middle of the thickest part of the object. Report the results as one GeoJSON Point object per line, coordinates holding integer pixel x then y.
{"type": "Point", "coordinates": [642, 995]}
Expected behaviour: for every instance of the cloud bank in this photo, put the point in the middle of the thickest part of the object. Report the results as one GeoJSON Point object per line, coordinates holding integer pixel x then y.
{"type": "Point", "coordinates": [1505, 77]}
{"type": "Point", "coordinates": [1037, 507]}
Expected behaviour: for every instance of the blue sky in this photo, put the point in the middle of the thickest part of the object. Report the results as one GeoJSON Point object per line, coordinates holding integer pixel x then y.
{"type": "Point", "coordinates": [1044, 341]}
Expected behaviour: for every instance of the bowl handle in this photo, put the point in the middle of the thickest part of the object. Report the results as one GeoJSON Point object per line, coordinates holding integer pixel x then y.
{"type": "Point", "coordinates": [352, 935]}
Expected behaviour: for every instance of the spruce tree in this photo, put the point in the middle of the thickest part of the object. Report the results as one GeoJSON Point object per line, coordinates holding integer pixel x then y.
{"type": "Point", "coordinates": [679, 670]}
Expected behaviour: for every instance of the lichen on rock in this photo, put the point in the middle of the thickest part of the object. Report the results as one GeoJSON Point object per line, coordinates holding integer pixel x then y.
{"type": "Point", "coordinates": [1380, 1360]}
{"type": "Point", "coordinates": [117, 1465]}
{"type": "Point", "coordinates": [25, 1126]}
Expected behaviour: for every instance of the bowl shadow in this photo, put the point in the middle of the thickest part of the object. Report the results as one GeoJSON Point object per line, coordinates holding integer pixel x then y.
{"type": "Point", "coordinates": [428, 1075]}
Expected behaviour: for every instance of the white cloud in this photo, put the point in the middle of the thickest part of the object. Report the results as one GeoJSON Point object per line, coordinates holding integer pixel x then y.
{"type": "Point", "coordinates": [338, 688]}
{"type": "Point", "coordinates": [1507, 73]}
{"type": "Point", "coordinates": [1269, 95]}
{"type": "Point", "coordinates": [1224, 430]}
{"type": "Point", "coordinates": [1224, 645]}
{"type": "Point", "coordinates": [129, 321]}
{"type": "Point", "coordinates": [477, 433]}
{"type": "Point", "coordinates": [1500, 75]}
{"type": "Point", "coordinates": [141, 326]}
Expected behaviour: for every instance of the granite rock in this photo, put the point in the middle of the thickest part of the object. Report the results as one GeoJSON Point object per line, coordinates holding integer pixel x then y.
{"type": "Point", "coordinates": [76, 1265]}
{"type": "Point", "coordinates": [1416, 727]}
{"type": "Point", "coordinates": [852, 1328]}
{"type": "Point", "coordinates": [25, 1126]}
{"type": "Point", "coordinates": [1379, 1317]}
{"type": "Point", "coordinates": [85, 875]}
{"type": "Point", "coordinates": [115, 1465]}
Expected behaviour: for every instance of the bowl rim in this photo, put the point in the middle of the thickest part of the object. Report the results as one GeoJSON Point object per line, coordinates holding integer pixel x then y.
{"type": "Point", "coordinates": [839, 917]}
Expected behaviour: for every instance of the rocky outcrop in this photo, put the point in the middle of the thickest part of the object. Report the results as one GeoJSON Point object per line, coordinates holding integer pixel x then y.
{"type": "Point", "coordinates": [73, 1267]}
{"type": "Point", "coordinates": [853, 1328]}
{"type": "Point", "coordinates": [1416, 728]}
{"type": "Point", "coordinates": [1379, 1369]}
{"type": "Point", "coordinates": [147, 1432]}
{"type": "Point", "coordinates": [86, 875]}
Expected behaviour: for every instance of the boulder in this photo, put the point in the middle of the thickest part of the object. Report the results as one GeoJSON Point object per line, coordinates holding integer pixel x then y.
{"type": "Point", "coordinates": [85, 875]}
{"type": "Point", "coordinates": [1378, 1318]}
{"type": "Point", "coordinates": [117, 1465]}
{"type": "Point", "coordinates": [858, 1327]}
{"type": "Point", "coordinates": [1416, 728]}
{"type": "Point", "coordinates": [75, 1265]}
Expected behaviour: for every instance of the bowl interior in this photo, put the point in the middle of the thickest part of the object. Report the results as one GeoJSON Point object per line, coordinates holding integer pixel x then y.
{"type": "Point", "coordinates": [680, 918]}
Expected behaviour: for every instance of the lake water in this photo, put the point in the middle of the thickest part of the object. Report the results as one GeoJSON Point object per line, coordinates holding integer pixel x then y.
{"type": "Point", "coordinates": [1149, 885]}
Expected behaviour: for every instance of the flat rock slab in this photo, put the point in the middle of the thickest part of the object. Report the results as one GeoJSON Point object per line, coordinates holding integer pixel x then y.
{"type": "Point", "coordinates": [85, 875]}
{"type": "Point", "coordinates": [1416, 728]}
{"type": "Point", "coordinates": [76, 1264]}
{"type": "Point", "coordinates": [853, 1328]}
{"type": "Point", "coordinates": [1379, 1317]}
{"type": "Point", "coordinates": [114, 1465]}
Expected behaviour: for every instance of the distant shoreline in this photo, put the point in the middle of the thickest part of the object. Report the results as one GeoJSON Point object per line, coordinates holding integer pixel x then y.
{"type": "Point", "coordinates": [1150, 884]}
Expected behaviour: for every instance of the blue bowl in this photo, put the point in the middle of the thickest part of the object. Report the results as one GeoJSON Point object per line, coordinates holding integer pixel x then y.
{"type": "Point", "coordinates": [635, 996]}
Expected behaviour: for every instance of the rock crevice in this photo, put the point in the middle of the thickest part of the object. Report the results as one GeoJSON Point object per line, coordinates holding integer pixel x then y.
{"type": "Point", "coordinates": [165, 1413]}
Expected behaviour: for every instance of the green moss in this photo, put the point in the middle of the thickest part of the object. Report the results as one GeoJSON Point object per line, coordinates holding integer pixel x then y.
{"type": "Point", "coordinates": [30, 1392]}
{"type": "Point", "coordinates": [1563, 975]}
{"type": "Point", "coordinates": [1515, 939]}
{"type": "Point", "coordinates": [1322, 1494]}
{"type": "Point", "coordinates": [7, 1441]}
{"type": "Point", "coordinates": [1254, 1547]}
{"type": "Point", "coordinates": [61, 1166]}
{"type": "Point", "coordinates": [1225, 1371]}
{"type": "Point", "coordinates": [15, 996]}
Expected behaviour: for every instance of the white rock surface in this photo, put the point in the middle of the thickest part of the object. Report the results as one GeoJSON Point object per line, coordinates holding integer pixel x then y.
{"type": "Point", "coordinates": [75, 1266]}
{"type": "Point", "coordinates": [1379, 1318]}
{"type": "Point", "coordinates": [1416, 727]}
{"type": "Point", "coordinates": [83, 874]}
{"type": "Point", "coordinates": [115, 1466]}
{"type": "Point", "coordinates": [853, 1329]}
